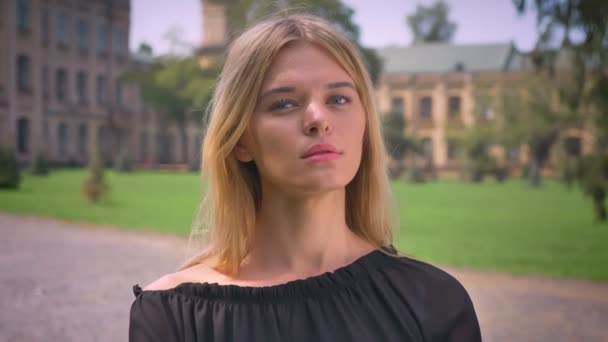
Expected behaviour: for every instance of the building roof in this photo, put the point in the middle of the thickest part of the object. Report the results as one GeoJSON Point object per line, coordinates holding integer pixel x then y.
{"type": "Point", "coordinates": [442, 57]}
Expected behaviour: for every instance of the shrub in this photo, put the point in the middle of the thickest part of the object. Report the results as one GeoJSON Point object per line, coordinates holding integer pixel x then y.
{"type": "Point", "coordinates": [501, 174]}
{"type": "Point", "coordinates": [9, 169]}
{"type": "Point", "coordinates": [94, 187]}
{"type": "Point", "coordinates": [122, 162]}
{"type": "Point", "coordinates": [40, 166]}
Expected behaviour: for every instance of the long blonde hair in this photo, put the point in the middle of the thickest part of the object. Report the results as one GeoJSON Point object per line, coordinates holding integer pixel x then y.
{"type": "Point", "coordinates": [227, 215]}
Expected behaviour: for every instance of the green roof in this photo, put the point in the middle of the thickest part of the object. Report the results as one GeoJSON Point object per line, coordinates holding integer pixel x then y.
{"type": "Point", "coordinates": [441, 57]}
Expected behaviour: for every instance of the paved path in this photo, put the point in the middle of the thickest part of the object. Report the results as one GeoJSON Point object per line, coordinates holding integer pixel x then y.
{"type": "Point", "coordinates": [72, 282]}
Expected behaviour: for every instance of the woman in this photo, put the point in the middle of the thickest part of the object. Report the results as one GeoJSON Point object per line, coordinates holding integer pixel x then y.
{"type": "Point", "coordinates": [300, 244]}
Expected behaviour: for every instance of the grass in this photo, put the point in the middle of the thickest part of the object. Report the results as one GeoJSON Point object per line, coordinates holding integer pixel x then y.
{"type": "Point", "coordinates": [160, 202]}
{"type": "Point", "coordinates": [506, 227]}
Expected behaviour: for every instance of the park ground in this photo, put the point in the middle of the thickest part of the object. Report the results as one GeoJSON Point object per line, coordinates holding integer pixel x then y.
{"type": "Point", "coordinates": [533, 261]}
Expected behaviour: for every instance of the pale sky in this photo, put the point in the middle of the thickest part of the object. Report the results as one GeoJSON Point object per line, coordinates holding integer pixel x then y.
{"type": "Point", "coordinates": [382, 22]}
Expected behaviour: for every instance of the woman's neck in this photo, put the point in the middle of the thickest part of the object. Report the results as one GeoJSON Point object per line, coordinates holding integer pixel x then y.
{"type": "Point", "coordinates": [301, 237]}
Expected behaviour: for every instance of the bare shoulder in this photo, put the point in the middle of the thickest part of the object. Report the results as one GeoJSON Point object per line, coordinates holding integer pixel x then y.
{"type": "Point", "coordinates": [196, 274]}
{"type": "Point", "coordinates": [168, 281]}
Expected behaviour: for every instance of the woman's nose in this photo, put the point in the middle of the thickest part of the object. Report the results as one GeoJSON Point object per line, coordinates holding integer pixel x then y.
{"type": "Point", "coordinates": [316, 120]}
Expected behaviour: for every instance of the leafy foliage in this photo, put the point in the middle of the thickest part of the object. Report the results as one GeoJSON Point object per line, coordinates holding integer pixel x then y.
{"type": "Point", "coordinates": [243, 14]}
{"type": "Point", "coordinates": [95, 187]}
{"type": "Point", "coordinates": [40, 165]}
{"type": "Point", "coordinates": [431, 23]}
{"type": "Point", "coordinates": [573, 51]}
{"type": "Point", "coordinates": [399, 145]}
{"type": "Point", "coordinates": [178, 87]}
{"type": "Point", "coordinates": [9, 169]}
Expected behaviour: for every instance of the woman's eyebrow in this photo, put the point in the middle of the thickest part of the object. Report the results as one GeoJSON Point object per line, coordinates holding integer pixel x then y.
{"type": "Point", "coordinates": [279, 90]}
{"type": "Point", "coordinates": [283, 90]}
{"type": "Point", "coordinates": [340, 85]}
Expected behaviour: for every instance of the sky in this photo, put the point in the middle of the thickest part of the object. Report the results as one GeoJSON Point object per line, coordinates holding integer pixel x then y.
{"type": "Point", "coordinates": [382, 22]}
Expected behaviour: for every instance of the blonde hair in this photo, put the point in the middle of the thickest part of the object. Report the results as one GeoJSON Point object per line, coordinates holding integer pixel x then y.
{"type": "Point", "coordinates": [227, 215]}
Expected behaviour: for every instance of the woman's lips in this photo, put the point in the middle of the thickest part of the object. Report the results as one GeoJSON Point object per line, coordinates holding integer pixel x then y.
{"type": "Point", "coordinates": [323, 156]}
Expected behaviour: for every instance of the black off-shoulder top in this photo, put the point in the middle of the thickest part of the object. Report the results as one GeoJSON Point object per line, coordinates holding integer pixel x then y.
{"type": "Point", "coordinates": [378, 297]}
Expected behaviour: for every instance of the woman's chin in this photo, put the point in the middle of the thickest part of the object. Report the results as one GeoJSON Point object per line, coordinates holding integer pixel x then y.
{"type": "Point", "coordinates": [321, 186]}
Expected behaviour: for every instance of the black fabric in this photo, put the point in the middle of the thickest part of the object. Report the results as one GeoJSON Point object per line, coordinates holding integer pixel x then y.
{"type": "Point", "coordinates": [378, 297]}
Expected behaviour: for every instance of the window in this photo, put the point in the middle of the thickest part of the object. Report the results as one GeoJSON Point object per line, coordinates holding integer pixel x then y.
{"type": "Point", "coordinates": [397, 105]}
{"type": "Point", "coordinates": [62, 136]}
{"type": "Point", "coordinates": [454, 106]}
{"type": "Point", "coordinates": [101, 38]}
{"type": "Point", "coordinates": [46, 142]}
{"type": "Point", "coordinates": [120, 138]}
{"type": "Point", "coordinates": [143, 146]}
{"type": "Point", "coordinates": [513, 153]}
{"type": "Point", "coordinates": [61, 85]}
{"type": "Point", "coordinates": [118, 90]}
{"type": "Point", "coordinates": [572, 146]}
{"type": "Point", "coordinates": [453, 149]}
{"type": "Point", "coordinates": [427, 147]}
{"type": "Point", "coordinates": [46, 23]}
{"type": "Point", "coordinates": [23, 15]}
{"type": "Point", "coordinates": [101, 90]}
{"type": "Point", "coordinates": [82, 139]}
{"type": "Point", "coordinates": [81, 87]}
{"type": "Point", "coordinates": [102, 141]}
{"type": "Point", "coordinates": [426, 107]}
{"type": "Point", "coordinates": [23, 73]}
{"type": "Point", "coordinates": [196, 147]}
{"type": "Point", "coordinates": [120, 43]}
{"type": "Point", "coordinates": [45, 82]}
{"type": "Point", "coordinates": [82, 34]}
{"type": "Point", "coordinates": [23, 135]}
{"type": "Point", "coordinates": [62, 30]}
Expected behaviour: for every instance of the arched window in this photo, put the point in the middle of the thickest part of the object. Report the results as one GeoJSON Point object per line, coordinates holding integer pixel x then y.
{"type": "Point", "coordinates": [426, 107]}
{"type": "Point", "coordinates": [143, 146]}
{"type": "Point", "coordinates": [62, 137]}
{"type": "Point", "coordinates": [83, 140]}
{"type": "Point", "coordinates": [427, 147]}
{"type": "Point", "coordinates": [23, 135]}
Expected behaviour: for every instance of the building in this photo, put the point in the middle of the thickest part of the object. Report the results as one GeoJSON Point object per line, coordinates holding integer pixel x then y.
{"type": "Point", "coordinates": [62, 90]}
{"type": "Point", "coordinates": [215, 31]}
{"type": "Point", "coordinates": [440, 90]}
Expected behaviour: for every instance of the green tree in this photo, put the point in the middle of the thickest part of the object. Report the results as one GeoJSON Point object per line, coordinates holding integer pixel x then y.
{"type": "Point", "coordinates": [178, 87]}
{"type": "Point", "coordinates": [399, 145]}
{"type": "Point", "coordinates": [431, 23]}
{"type": "Point", "coordinates": [532, 115]}
{"type": "Point", "coordinates": [95, 187]}
{"type": "Point", "coordinates": [10, 175]}
{"type": "Point", "coordinates": [573, 47]}
{"type": "Point", "coordinates": [242, 14]}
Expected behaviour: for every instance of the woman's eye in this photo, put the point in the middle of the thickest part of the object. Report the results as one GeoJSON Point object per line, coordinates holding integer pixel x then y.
{"type": "Point", "coordinates": [339, 99]}
{"type": "Point", "coordinates": [281, 105]}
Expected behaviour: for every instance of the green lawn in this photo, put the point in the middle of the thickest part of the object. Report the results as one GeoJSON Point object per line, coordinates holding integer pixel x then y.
{"type": "Point", "coordinates": [507, 227]}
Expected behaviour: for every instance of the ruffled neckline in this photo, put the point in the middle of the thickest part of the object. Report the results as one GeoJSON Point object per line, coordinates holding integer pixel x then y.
{"type": "Point", "coordinates": [323, 284]}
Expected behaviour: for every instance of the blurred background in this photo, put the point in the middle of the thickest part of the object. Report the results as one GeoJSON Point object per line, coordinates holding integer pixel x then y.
{"type": "Point", "coordinates": [495, 118]}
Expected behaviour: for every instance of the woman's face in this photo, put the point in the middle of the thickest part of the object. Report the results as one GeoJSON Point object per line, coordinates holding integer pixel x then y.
{"type": "Point", "coordinates": [305, 99]}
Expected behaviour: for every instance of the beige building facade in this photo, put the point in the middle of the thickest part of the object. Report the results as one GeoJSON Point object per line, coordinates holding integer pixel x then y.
{"type": "Point", "coordinates": [440, 89]}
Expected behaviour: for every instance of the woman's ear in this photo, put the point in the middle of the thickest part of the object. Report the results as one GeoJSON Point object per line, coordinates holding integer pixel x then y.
{"type": "Point", "coordinates": [241, 153]}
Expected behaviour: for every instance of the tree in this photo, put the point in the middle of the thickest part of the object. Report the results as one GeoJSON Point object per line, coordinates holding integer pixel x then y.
{"type": "Point", "coordinates": [95, 187]}
{"type": "Point", "coordinates": [145, 49]}
{"type": "Point", "coordinates": [573, 46]}
{"type": "Point", "coordinates": [178, 87]}
{"type": "Point", "coordinates": [399, 145]}
{"type": "Point", "coordinates": [9, 169]}
{"type": "Point", "coordinates": [532, 115]}
{"type": "Point", "coordinates": [242, 14]}
{"type": "Point", "coordinates": [431, 24]}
